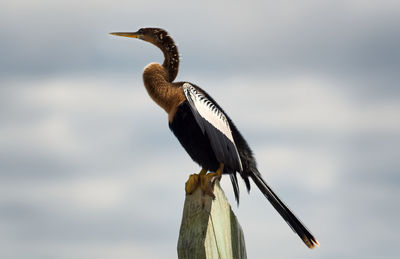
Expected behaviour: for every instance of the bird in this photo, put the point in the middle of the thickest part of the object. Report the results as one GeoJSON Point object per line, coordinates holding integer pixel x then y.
{"type": "Point", "coordinates": [205, 130]}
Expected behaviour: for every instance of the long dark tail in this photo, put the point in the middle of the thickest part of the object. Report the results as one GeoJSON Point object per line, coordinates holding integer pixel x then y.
{"type": "Point", "coordinates": [285, 212]}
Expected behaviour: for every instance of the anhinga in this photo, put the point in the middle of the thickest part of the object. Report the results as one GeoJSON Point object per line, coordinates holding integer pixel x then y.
{"type": "Point", "coordinates": [204, 129]}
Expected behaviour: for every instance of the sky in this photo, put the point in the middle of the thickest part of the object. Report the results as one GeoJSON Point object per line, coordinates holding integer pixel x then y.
{"type": "Point", "coordinates": [89, 168]}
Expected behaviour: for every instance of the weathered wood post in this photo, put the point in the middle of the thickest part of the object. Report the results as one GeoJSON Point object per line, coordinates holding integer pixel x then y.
{"type": "Point", "coordinates": [209, 229]}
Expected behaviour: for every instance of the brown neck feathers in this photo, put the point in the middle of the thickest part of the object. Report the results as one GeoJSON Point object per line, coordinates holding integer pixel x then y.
{"type": "Point", "coordinates": [158, 78]}
{"type": "Point", "coordinates": [171, 55]}
{"type": "Point", "coordinates": [163, 92]}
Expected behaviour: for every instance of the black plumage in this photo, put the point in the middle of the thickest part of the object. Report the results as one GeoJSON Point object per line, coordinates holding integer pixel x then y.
{"type": "Point", "coordinates": [197, 145]}
{"type": "Point", "coordinates": [214, 124]}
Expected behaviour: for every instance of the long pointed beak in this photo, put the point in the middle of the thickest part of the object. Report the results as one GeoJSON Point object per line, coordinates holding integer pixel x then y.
{"type": "Point", "coordinates": [127, 34]}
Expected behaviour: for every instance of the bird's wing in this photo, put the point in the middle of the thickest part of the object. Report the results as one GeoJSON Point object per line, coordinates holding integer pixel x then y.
{"type": "Point", "coordinates": [215, 125]}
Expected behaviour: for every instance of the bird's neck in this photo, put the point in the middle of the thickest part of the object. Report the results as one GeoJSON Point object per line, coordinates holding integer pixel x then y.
{"type": "Point", "coordinates": [171, 57]}
{"type": "Point", "coordinates": [156, 79]}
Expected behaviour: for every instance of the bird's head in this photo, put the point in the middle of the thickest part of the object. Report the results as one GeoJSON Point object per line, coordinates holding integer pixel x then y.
{"type": "Point", "coordinates": [163, 41]}
{"type": "Point", "coordinates": [155, 36]}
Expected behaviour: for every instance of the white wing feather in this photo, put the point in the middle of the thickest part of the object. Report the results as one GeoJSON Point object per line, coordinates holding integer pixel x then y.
{"type": "Point", "coordinates": [208, 110]}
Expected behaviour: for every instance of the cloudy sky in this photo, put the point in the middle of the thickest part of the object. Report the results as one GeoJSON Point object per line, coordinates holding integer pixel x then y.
{"type": "Point", "coordinates": [89, 169]}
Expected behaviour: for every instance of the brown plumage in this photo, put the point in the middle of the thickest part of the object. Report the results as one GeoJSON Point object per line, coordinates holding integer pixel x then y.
{"type": "Point", "coordinates": [202, 127]}
{"type": "Point", "coordinates": [161, 90]}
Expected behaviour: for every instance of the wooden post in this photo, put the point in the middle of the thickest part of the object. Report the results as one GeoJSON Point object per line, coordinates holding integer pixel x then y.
{"type": "Point", "coordinates": [209, 229]}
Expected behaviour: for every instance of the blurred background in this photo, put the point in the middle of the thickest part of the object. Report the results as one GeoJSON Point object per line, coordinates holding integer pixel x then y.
{"type": "Point", "coordinates": [89, 168]}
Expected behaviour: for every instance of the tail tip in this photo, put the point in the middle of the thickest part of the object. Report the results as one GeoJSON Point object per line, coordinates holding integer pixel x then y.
{"type": "Point", "coordinates": [316, 243]}
{"type": "Point", "coordinates": [311, 242]}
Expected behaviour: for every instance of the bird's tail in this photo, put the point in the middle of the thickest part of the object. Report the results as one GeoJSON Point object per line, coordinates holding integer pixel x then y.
{"type": "Point", "coordinates": [285, 212]}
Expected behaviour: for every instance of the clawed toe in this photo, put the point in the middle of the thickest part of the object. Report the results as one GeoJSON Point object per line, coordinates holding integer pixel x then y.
{"type": "Point", "coordinates": [204, 181]}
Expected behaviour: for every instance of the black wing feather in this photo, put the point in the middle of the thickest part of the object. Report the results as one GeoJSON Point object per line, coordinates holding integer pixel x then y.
{"type": "Point", "coordinates": [206, 112]}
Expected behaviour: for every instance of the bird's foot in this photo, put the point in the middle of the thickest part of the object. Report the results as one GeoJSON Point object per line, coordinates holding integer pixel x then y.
{"type": "Point", "coordinates": [205, 181]}
{"type": "Point", "coordinates": [193, 182]}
